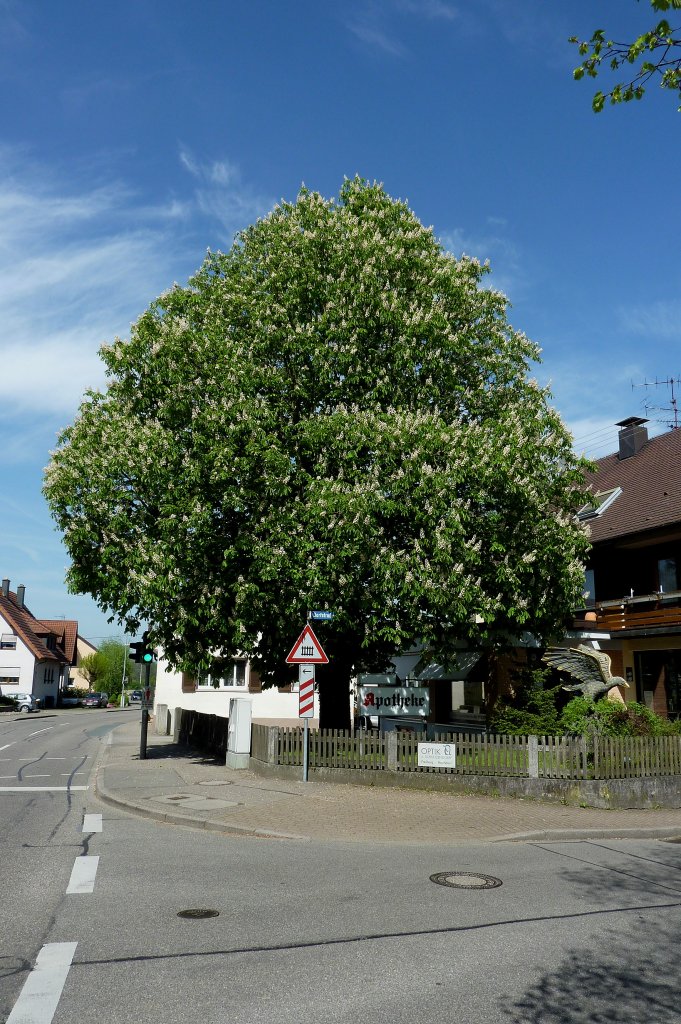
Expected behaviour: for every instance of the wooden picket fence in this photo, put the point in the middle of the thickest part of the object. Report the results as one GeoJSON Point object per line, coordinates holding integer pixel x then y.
{"type": "Point", "coordinates": [549, 757]}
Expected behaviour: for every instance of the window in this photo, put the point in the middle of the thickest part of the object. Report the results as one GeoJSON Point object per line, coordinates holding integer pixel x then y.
{"type": "Point", "coordinates": [8, 642]}
{"type": "Point", "coordinates": [589, 588]}
{"type": "Point", "coordinates": [666, 575]}
{"type": "Point", "coordinates": [224, 675]}
{"type": "Point", "coordinates": [48, 676]}
{"type": "Point", "coordinates": [9, 675]}
{"type": "Point", "coordinates": [601, 501]}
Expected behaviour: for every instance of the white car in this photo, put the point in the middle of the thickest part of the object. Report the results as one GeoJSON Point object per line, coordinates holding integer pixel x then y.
{"type": "Point", "coordinates": [25, 701]}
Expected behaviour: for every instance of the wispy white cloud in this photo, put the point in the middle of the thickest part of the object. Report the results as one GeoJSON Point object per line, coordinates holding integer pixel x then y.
{"type": "Point", "coordinates": [376, 25]}
{"type": "Point", "coordinates": [221, 194]}
{"type": "Point", "coordinates": [491, 243]}
{"type": "Point", "coordinates": [12, 27]}
{"type": "Point", "coordinates": [377, 37]}
{"type": "Point", "coordinates": [600, 391]}
{"type": "Point", "coordinates": [432, 9]}
{"type": "Point", "coordinates": [536, 30]}
{"type": "Point", "coordinates": [658, 321]}
{"type": "Point", "coordinates": [77, 265]}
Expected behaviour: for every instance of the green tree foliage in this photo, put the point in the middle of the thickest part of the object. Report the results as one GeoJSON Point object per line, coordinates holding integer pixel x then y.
{"type": "Point", "coordinates": [333, 414]}
{"type": "Point", "coordinates": [112, 655]}
{"type": "Point", "coordinates": [655, 54]}
{"type": "Point", "coordinates": [91, 668]}
{"type": "Point", "coordinates": [533, 707]}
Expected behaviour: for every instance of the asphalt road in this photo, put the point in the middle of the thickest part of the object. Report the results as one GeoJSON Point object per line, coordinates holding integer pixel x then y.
{"type": "Point", "coordinates": [579, 932]}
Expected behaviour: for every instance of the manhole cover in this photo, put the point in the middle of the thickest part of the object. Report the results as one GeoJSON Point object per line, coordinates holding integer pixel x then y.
{"type": "Point", "coordinates": [217, 782]}
{"type": "Point", "coordinates": [198, 913]}
{"type": "Point", "coordinates": [465, 880]}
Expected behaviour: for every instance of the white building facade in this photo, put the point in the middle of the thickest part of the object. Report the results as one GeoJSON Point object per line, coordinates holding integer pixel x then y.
{"type": "Point", "coordinates": [210, 694]}
{"type": "Point", "coordinates": [31, 658]}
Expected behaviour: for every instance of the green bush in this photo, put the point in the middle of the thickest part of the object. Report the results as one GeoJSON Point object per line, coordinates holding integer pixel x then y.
{"type": "Point", "coordinates": [583, 717]}
{"type": "Point", "coordinates": [531, 710]}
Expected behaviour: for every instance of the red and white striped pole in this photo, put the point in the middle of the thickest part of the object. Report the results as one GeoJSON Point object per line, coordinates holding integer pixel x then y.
{"type": "Point", "coordinates": [305, 707]}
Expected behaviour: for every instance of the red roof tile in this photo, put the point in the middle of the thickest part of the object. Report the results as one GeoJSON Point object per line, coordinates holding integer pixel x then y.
{"type": "Point", "coordinates": [67, 633]}
{"type": "Point", "coordinates": [29, 629]}
{"type": "Point", "coordinates": [651, 489]}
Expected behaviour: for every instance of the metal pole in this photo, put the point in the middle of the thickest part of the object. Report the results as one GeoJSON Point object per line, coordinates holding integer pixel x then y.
{"type": "Point", "coordinates": [145, 715]}
{"type": "Point", "coordinates": [125, 662]}
{"type": "Point", "coordinates": [305, 750]}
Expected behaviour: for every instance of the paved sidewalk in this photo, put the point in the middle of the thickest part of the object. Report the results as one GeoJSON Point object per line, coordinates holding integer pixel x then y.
{"type": "Point", "coordinates": [180, 786]}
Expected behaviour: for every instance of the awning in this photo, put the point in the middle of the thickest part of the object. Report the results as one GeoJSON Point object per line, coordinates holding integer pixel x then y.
{"type": "Point", "coordinates": [405, 664]}
{"type": "Point", "coordinates": [459, 669]}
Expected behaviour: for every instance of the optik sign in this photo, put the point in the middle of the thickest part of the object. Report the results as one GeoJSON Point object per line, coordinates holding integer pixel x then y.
{"type": "Point", "coordinates": [393, 700]}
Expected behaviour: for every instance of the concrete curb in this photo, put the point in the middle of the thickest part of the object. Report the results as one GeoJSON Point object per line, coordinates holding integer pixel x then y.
{"type": "Point", "coordinates": [173, 818]}
{"type": "Point", "coordinates": [566, 835]}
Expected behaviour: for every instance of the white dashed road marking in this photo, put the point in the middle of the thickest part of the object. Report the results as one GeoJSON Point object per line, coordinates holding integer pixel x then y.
{"type": "Point", "coordinates": [83, 875]}
{"type": "Point", "coordinates": [42, 789]}
{"type": "Point", "coordinates": [42, 989]}
{"type": "Point", "coordinates": [92, 823]}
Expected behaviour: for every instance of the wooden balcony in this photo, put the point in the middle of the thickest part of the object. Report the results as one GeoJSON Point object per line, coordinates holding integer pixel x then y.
{"type": "Point", "coordinates": [649, 611]}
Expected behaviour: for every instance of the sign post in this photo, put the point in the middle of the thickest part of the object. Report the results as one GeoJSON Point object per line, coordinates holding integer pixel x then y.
{"type": "Point", "coordinates": [143, 654]}
{"type": "Point", "coordinates": [306, 653]}
{"type": "Point", "coordinates": [305, 708]}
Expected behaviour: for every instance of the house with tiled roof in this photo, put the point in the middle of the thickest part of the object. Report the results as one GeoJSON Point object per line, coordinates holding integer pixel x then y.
{"type": "Point", "coordinates": [633, 579]}
{"type": "Point", "coordinates": [32, 655]}
{"type": "Point", "coordinates": [75, 647]}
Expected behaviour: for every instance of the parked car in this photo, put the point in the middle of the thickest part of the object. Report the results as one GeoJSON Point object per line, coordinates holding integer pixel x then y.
{"type": "Point", "coordinates": [25, 701]}
{"type": "Point", "coordinates": [96, 700]}
{"type": "Point", "coordinates": [136, 696]}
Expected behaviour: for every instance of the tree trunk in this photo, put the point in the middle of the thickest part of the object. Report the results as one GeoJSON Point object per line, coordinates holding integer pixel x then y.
{"type": "Point", "coordinates": [333, 681]}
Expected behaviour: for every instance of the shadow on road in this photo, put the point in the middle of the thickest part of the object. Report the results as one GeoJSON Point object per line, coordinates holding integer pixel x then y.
{"type": "Point", "coordinates": [622, 981]}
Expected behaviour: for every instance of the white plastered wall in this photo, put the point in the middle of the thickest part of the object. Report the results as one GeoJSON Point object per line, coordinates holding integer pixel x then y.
{"type": "Point", "coordinates": [269, 706]}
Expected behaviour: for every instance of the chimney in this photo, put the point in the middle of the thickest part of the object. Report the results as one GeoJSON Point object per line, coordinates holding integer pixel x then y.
{"type": "Point", "coordinates": [632, 436]}
{"type": "Point", "coordinates": [5, 588]}
{"type": "Point", "coordinates": [21, 590]}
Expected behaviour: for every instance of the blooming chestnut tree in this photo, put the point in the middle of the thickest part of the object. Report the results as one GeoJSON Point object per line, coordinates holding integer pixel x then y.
{"type": "Point", "coordinates": [333, 414]}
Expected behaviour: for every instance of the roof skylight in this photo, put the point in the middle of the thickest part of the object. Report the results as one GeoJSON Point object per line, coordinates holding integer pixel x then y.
{"type": "Point", "coordinates": [601, 501]}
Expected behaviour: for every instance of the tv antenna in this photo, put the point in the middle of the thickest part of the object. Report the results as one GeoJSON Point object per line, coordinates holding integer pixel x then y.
{"type": "Point", "coordinates": [670, 383]}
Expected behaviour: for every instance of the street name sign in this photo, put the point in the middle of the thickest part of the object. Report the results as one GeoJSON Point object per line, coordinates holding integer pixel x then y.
{"type": "Point", "coordinates": [437, 755]}
{"type": "Point", "coordinates": [305, 691]}
{"type": "Point", "coordinates": [320, 616]}
{"type": "Point", "coordinates": [307, 650]}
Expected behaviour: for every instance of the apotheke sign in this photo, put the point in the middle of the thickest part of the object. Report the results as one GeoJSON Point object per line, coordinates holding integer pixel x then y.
{"type": "Point", "coordinates": [393, 700]}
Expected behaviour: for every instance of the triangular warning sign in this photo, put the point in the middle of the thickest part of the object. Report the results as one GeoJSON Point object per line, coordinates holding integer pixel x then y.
{"type": "Point", "coordinates": [307, 650]}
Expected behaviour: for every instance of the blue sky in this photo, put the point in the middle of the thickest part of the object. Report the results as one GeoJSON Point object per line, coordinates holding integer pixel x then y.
{"type": "Point", "coordinates": [136, 135]}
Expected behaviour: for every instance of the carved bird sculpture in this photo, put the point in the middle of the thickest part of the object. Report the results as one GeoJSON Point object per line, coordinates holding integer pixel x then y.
{"type": "Point", "coordinates": [589, 667]}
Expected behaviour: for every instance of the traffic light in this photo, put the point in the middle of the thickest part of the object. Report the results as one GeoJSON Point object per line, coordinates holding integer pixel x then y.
{"type": "Point", "coordinates": [141, 652]}
{"type": "Point", "coordinates": [136, 651]}
{"type": "Point", "coordinates": [148, 653]}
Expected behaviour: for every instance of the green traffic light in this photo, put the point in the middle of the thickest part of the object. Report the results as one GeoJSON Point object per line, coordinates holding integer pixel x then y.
{"type": "Point", "coordinates": [147, 656]}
